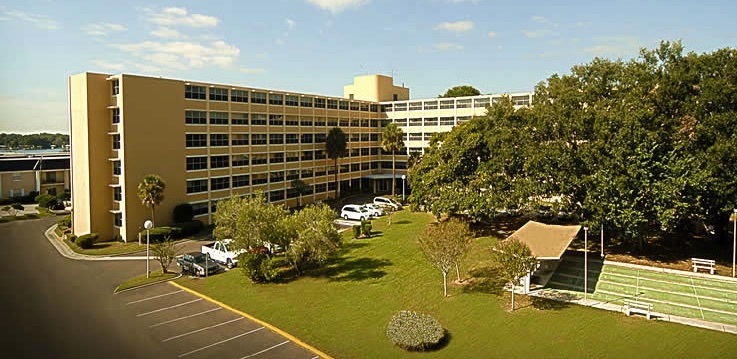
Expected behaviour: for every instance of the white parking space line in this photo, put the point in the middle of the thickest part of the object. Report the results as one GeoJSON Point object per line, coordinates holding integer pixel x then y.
{"type": "Point", "coordinates": [154, 297]}
{"type": "Point", "coordinates": [167, 308]}
{"type": "Point", "coordinates": [693, 285]}
{"type": "Point", "coordinates": [185, 317]}
{"type": "Point", "coordinates": [201, 329]}
{"type": "Point", "coordinates": [265, 350]}
{"type": "Point", "coordinates": [220, 342]}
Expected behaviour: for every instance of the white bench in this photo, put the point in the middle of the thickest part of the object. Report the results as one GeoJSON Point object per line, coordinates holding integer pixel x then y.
{"type": "Point", "coordinates": [633, 306]}
{"type": "Point", "coordinates": [699, 263]}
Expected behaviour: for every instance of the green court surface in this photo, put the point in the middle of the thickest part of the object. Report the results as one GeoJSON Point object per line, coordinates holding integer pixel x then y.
{"type": "Point", "coordinates": [711, 299]}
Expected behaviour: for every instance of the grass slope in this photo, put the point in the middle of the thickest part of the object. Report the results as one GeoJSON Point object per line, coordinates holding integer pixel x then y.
{"type": "Point", "coordinates": [344, 309]}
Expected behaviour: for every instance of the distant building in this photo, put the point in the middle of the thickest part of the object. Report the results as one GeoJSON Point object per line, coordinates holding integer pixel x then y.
{"type": "Point", "coordinates": [212, 141]}
{"type": "Point", "coordinates": [21, 175]}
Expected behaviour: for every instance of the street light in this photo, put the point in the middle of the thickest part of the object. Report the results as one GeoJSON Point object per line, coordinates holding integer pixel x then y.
{"type": "Point", "coordinates": [148, 224]}
{"type": "Point", "coordinates": [585, 265]}
{"type": "Point", "coordinates": [403, 177]}
{"type": "Point", "coordinates": [734, 241]}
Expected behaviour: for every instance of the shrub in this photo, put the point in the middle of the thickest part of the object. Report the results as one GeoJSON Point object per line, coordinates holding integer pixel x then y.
{"type": "Point", "coordinates": [86, 241]}
{"type": "Point", "coordinates": [366, 228]}
{"type": "Point", "coordinates": [183, 213]}
{"type": "Point", "coordinates": [414, 331]}
{"type": "Point", "coordinates": [72, 238]}
{"type": "Point", "coordinates": [356, 231]}
{"type": "Point", "coordinates": [257, 266]}
{"type": "Point", "coordinates": [190, 227]}
{"type": "Point", "coordinates": [158, 234]}
{"type": "Point", "coordinates": [17, 206]}
{"type": "Point", "coordinates": [46, 200]}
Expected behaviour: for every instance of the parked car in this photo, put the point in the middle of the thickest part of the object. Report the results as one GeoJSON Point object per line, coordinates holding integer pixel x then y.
{"type": "Point", "coordinates": [387, 202]}
{"type": "Point", "coordinates": [197, 263]}
{"type": "Point", "coordinates": [375, 210]}
{"type": "Point", "coordinates": [354, 212]}
{"type": "Point", "coordinates": [223, 252]}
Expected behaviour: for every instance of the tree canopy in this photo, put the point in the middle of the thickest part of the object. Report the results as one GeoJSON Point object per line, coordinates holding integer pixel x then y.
{"type": "Point", "coordinates": [392, 140]}
{"type": "Point", "coordinates": [151, 192]}
{"type": "Point", "coordinates": [445, 244]}
{"type": "Point", "coordinates": [37, 140]}
{"type": "Point", "coordinates": [463, 90]}
{"type": "Point", "coordinates": [515, 261]}
{"type": "Point", "coordinates": [644, 145]}
{"type": "Point", "coordinates": [335, 147]}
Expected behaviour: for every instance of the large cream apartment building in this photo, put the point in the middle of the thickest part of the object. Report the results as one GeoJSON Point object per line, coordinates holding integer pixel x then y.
{"type": "Point", "coordinates": [212, 141]}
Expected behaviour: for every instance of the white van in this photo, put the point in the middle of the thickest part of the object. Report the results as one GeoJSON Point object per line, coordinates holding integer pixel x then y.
{"type": "Point", "coordinates": [387, 202]}
{"type": "Point", "coordinates": [354, 212]}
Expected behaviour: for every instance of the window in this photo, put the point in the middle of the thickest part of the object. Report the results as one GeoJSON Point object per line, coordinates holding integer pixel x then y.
{"type": "Point", "coordinates": [320, 121]}
{"type": "Point", "coordinates": [276, 195]}
{"type": "Point", "coordinates": [307, 173]}
{"type": "Point", "coordinates": [276, 157]}
{"type": "Point", "coordinates": [260, 178]}
{"type": "Point", "coordinates": [117, 194]}
{"type": "Point", "coordinates": [481, 102]}
{"type": "Point", "coordinates": [240, 139]}
{"type": "Point", "coordinates": [432, 121]}
{"type": "Point", "coordinates": [240, 160]}
{"type": "Point", "coordinates": [364, 166]}
{"type": "Point", "coordinates": [291, 100]}
{"type": "Point", "coordinates": [259, 159]}
{"type": "Point", "coordinates": [194, 92]}
{"type": "Point", "coordinates": [196, 140]}
{"type": "Point", "coordinates": [292, 156]}
{"type": "Point", "coordinates": [276, 176]}
{"type": "Point", "coordinates": [292, 175]}
{"type": "Point", "coordinates": [240, 181]}
{"type": "Point", "coordinates": [319, 102]}
{"type": "Point", "coordinates": [333, 104]}
{"type": "Point", "coordinates": [343, 105]}
{"type": "Point", "coordinates": [364, 137]}
{"type": "Point", "coordinates": [344, 122]}
{"type": "Point", "coordinates": [196, 186]}
{"type": "Point", "coordinates": [219, 161]}
{"type": "Point", "coordinates": [307, 156]}
{"type": "Point", "coordinates": [116, 142]}
{"type": "Point", "coordinates": [195, 117]}
{"type": "Point", "coordinates": [365, 122]}
{"type": "Point", "coordinates": [258, 97]}
{"type": "Point", "coordinates": [118, 220]}
{"type": "Point", "coordinates": [306, 122]}
{"type": "Point", "coordinates": [199, 208]}
{"type": "Point", "coordinates": [364, 151]}
{"type": "Point", "coordinates": [320, 171]}
{"type": "Point", "coordinates": [355, 167]}
{"type": "Point", "coordinates": [521, 100]}
{"type": "Point", "coordinates": [395, 97]}
{"type": "Point", "coordinates": [219, 183]}
{"type": "Point", "coordinates": [258, 119]}
{"type": "Point", "coordinates": [374, 151]}
{"type": "Point", "coordinates": [116, 115]}
{"type": "Point", "coordinates": [400, 107]}
{"type": "Point", "coordinates": [447, 121]}
{"type": "Point", "coordinates": [115, 87]}
{"type": "Point", "coordinates": [415, 121]}
{"type": "Point", "coordinates": [258, 138]}
{"type": "Point", "coordinates": [446, 104]}
{"type": "Point", "coordinates": [374, 137]}
{"type": "Point", "coordinates": [354, 152]}
{"type": "Point", "coordinates": [276, 120]}
{"type": "Point", "coordinates": [276, 99]}
{"type": "Point", "coordinates": [431, 105]}
{"type": "Point", "coordinates": [276, 139]}
{"type": "Point", "coordinates": [355, 123]}
{"type": "Point", "coordinates": [292, 121]}
{"type": "Point", "coordinates": [320, 188]}
{"type": "Point", "coordinates": [374, 108]}
{"type": "Point", "coordinates": [218, 118]}
{"type": "Point", "coordinates": [116, 168]}
{"type": "Point", "coordinates": [305, 102]}
{"type": "Point", "coordinates": [219, 139]}
{"type": "Point", "coordinates": [414, 136]}
{"type": "Point", "coordinates": [218, 94]}
{"type": "Point", "coordinates": [465, 103]}
{"type": "Point", "coordinates": [364, 107]}
{"type": "Point", "coordinates": [387, 108]}
{"type": "Point", "coordinates": [238, 118]}
{"type": "Point", "coordinates": [306, 138]}
{"type": "Point", "coordinates": [354, 106]}
{"type": "Point", "coordinates": [320, 137]}
{"type": "Point", "coordinates": [291, 138]}
{"type": "Point", "coordinates": [196, 163]}
{"type": "Point", "coordinates": [464, 119]}
{"type": "Point", "coordinates": [332, 122]}
{"type": "Point", "coordinates": [353, 137]}
{"type": "Point", "coordinates": [239, 96]}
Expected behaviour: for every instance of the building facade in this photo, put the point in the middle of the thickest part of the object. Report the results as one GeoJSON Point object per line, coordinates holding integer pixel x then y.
{"type": "Point", "coordinates": [210, 142]}
{"type": "Point", "coordinates": [21, 175]}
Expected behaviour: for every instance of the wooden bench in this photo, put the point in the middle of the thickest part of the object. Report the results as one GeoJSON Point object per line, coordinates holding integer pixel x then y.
{"type": "Point", "coordinates": [633, 306]}
{"type": "Point", "coordinates": [699, 263]}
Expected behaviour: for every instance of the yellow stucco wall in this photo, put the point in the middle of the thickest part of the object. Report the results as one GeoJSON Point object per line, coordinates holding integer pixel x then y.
{"type": "Point", "coordinates": [375, 88]}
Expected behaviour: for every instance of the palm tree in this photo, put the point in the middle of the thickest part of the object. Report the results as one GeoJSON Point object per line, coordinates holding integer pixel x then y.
{"type": "Point", "coordinates": [335, 146]}
{"type": "Point", "coordinates": [392, 140]}
{"type": "Point", "coordinates": [151, 193]}
{"type": "Point", "coordinates": [301, 188]}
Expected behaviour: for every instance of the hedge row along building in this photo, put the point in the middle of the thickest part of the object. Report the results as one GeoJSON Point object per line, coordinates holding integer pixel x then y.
{"type": "Point", "coordinates": [212, 141]}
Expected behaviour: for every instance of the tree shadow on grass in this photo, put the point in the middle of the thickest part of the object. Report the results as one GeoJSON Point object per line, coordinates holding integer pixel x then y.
{"type": "Point", "coordinates": [403, 221]}
{"type": "Point", "coordinates": [485, 279]}
{"type": "Point", "coordinates": [557, 302]}
{"type": "Point", "coordinates": [353, 269]}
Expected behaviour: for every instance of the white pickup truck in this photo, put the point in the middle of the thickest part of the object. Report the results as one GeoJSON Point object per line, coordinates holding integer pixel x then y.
{"type": "Point", "coordinates": [223, 252]}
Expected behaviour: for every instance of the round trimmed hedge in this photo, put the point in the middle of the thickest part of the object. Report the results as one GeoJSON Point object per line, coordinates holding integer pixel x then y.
{"type": "Point", "coordinates": [414, 331]}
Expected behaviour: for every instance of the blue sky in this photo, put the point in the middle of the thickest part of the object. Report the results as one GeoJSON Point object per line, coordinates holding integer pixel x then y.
{"type": "Point", "coordinates": [317, 46]}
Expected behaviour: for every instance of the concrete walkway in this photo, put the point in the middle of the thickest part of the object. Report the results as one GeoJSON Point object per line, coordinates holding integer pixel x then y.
{"type": "Point", "coordinates": [727, 328]}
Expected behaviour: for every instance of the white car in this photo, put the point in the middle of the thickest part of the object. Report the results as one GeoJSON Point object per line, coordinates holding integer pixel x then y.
{"type": "Point", "coordinates": [354, 212]}
{"type": "Point", "coordinates": [387, 202]}
{"type": "Point", "coordinates": [375, 210]}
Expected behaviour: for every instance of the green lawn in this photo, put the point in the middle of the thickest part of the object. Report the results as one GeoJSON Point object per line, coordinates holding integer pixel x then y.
{"type": "Point", "coordinates": [108, 248]}
{"type": "Point", "coordinates": [155, 276]}
{"type": "Point", "coordinates": [344, 310]}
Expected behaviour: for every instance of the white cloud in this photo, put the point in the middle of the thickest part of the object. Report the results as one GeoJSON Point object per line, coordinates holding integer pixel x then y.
{"type": "Point", "coordinates": [182, 55]}
{"type": "Point", "coordinates": [173, 16]}
{"type": "Point", "coordinates": [583, 24]}
{"type": "Point", "coordinates": [336, 6]}
{"type": "Point", "coordinates": [42, 21]}
{"type": "Point", "coordinates": [540, 19]}
{"type": "Point", "coordinates": [102, 28]}
{"type": "Point", "coordinates": [115, 66]}
{"type": "Point", "coordinates": [167, 33]}
{"type": "Point", "coordinates": [458, 26]}
{"type": "Point", "coordinates": [537, 33]}
{"type": "Point", "coordinates": [253, 70]}
{"type": "Point", "coordinates": [291, 23]}
{"type": "Point", "coordinates": [447, 46]}
{"type": "Point", "coordinates": [491, 34]}
{"type": "Point", "coordinates": [618, 46]}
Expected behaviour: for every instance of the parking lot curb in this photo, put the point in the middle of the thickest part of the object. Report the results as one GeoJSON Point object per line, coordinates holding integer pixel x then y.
{"type": "Point", "coordinates": [261, 322]}
{"type": "Point", "coordinates": [116, 291]}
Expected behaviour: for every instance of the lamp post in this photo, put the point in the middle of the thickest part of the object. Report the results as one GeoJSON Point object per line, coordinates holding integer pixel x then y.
{"type": "Point", "coordinates": [602, 240]}
{"type": "Point", "coordinates": [734, 240]}
{"type": "Point", "coordinates": [585, 265]}
{"type": "Point", "coordinates": [148, 224]}
{"type": "Point", "coordinates": [403, 177]}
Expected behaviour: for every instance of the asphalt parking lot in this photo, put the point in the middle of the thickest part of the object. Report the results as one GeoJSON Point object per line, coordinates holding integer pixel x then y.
{"type": "Point", "coordinates": [189, 326]}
